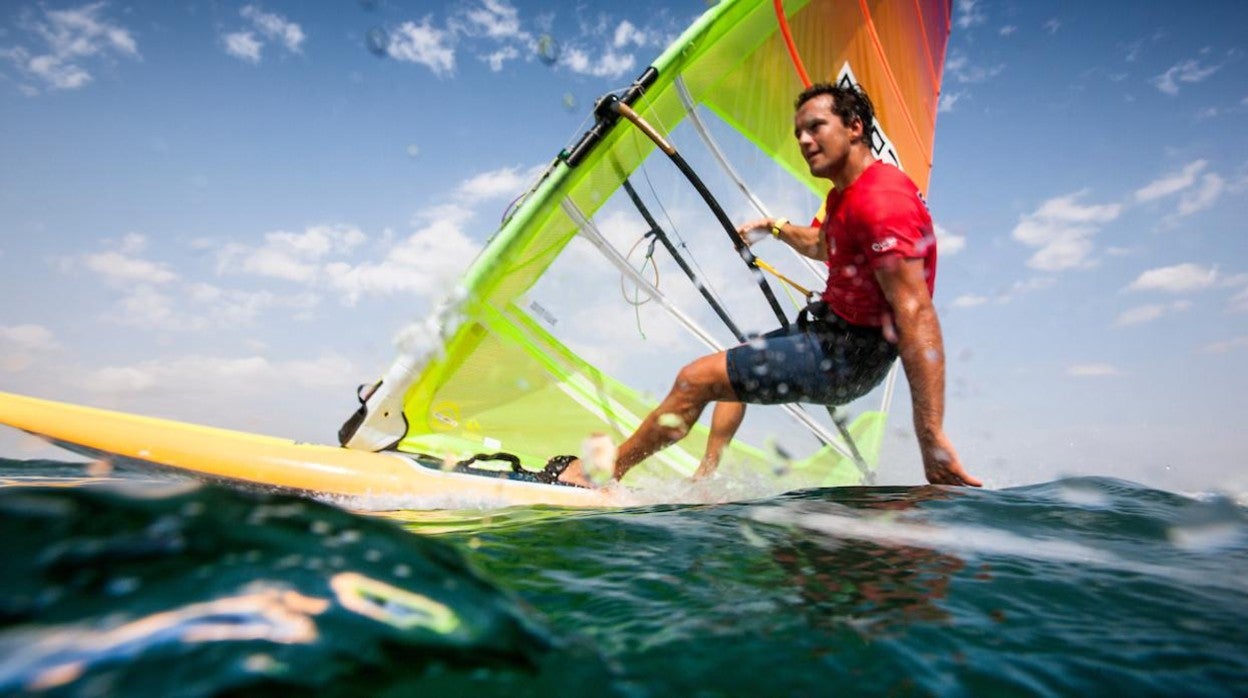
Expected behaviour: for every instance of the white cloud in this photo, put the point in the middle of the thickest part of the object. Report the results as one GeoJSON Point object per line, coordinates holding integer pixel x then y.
{"type": "Point", "coordinates": [424, 44]}
{"type": "Point", "coordinates": [1171, 184]}
{"type": "Point", "coordinates": [1148, 313]}
{"type": "Point", "coordinates": [243, 45]}
{"type": "Point", "coordinates": [502, 183]}
{"type": "Point", "coordinates": [963, 71]}
{"type": "Point", "coordinates": [1052, 25]}
{"type": "Point", "coordinates": [275, 27]}
{"type": "Point", "coordinates": [970, 14]}
{"type": "Point", "coordinates": [70, 38]}
{"type": "Point", "coordinates": [1062, 229]}
{"type": "Point", "coordinates": [144, 306]}
{"type": "Point", "coordinates": [125, 267]}
{"type": "Point", "coordinates": [1189, 71]}
{"type": "Point", "coordinates": [969, 301]}
{"type": "Point", "coordinates": [1092, 370]}
{"type": "Point", "coordinates": [425, 263]}
{"type": "Point", "coordinates": [947, 243]}
{"type": "Point", "coordinates": [1228, 345]}
{"type": "Point", "coordinates": [1239, 302]}
{"type": "Point", "coordinates": [495, 19]}
{"type": "Point", "coordinates": [246, 376]}
{"type": "Point", "coordinates": [948, 100]}
{"type": "Point", "coordinates": [1180, 278]}
{"type": "Point", "coordinates": [498, 58]}
{"type": "Point", "coordinates": [1211, 187]}
{"type": "Point", "coordinates": [291, 256]}
{"type": "Point", "coordinates": [626, 33]}
{"type": "Point", "coordinates": [610, 64]}
{"type": "Point", "coordinates": [1007, 30]}
{"type": "Point", "coordinates": [21, 345]}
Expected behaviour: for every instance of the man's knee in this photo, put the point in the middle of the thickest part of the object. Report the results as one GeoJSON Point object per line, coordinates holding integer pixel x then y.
{"type": "Point", "coordinates": [704, 379]}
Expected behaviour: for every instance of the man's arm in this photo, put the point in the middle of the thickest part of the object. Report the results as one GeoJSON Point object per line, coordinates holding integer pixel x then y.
{"type": "Point", "coordinates": [807, 240]}
{"type": "Point", "coordinates": [922, 352]}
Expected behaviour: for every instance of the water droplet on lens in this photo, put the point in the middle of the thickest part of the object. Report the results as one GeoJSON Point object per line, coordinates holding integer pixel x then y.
{"type": "Point", "coordinates": [569, 101]}
{"type": "Point", "coordinates": [377, 41]}
{"type": "Point", "coordinates": [122, 586]}
{"type": "Point", "coordinates": [548, 49]}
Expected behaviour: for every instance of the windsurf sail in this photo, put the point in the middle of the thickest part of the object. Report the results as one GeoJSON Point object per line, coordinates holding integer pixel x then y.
{"type": "Point", "coordinates": [565, 324]}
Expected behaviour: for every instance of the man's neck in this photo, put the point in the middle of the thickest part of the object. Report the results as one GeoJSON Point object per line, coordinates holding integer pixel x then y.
{"type": "Point", "coordinates": [860, 158]}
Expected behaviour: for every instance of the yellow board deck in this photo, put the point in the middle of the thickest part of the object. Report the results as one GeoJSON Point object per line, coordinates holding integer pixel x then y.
{"type": "Point", "coordinates": [269, 461]}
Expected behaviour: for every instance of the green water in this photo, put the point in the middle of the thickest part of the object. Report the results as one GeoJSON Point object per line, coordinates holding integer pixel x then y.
{"type": "Point", "coordinates": [1071, 587]}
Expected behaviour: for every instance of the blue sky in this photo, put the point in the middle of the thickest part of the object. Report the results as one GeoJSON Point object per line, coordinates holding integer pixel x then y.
{"type": "Point", "coordinates": [226, 212]}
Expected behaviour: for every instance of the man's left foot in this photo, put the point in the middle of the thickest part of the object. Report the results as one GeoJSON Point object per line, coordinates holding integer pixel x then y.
{"type": "Point", "coordinates": [574, 474]}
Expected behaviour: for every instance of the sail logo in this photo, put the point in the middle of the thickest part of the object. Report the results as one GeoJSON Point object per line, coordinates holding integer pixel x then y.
{"type": "Point", "coordinates": [881, 146]}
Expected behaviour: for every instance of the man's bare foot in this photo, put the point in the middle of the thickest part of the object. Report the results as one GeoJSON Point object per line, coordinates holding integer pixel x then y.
{"type": "Point", "coordinates": [574, 474]}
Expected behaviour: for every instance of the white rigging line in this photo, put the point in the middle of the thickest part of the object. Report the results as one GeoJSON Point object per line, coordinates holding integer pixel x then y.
{"type": "Point", "coordinates": [691, 109]}
{"type": "Point", "coordinates": [591, 233]}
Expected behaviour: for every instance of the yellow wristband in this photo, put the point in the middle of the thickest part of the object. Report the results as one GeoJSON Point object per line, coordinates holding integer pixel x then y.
{"type": "Point", "coordinates": [776, 225]}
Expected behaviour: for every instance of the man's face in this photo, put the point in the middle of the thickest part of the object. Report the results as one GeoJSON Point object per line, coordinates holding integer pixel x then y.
{"type": "Point", "coordinates": [824, 141]}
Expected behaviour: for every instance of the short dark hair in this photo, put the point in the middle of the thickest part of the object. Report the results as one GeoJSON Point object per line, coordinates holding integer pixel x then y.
{"type": "Point", "coordinates": [848, 102]}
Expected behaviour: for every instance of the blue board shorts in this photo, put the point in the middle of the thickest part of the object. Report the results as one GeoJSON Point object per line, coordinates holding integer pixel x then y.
{"type": "Point", "coordinates": [824, 361]}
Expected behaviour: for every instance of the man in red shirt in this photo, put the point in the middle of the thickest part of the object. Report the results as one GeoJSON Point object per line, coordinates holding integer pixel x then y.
{"type": "Point", "coordinates": [877, 238]}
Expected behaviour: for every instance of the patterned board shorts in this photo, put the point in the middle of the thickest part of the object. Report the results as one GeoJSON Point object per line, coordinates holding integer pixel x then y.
{"type": "Point", "coordinates": [828, 361]}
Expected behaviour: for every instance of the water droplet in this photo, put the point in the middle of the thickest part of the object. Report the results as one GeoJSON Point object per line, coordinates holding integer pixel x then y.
{"type": "Point", "coordinates": [377, 41]}
{"type": "Point", "coordinates": [413, 150]}
{"type": "Point", "coordinates": [667, 420]}
{"type": "Point", "coordinates": [261, 664]}
{"type": "Point", "coordinates": [122, 586]}
{"type": "Point", "coordinates": [548, 49]}
{"type": "Point", "coordinates": [598, 455]}
{"type": "Point", "coordinates": [402, 571]}
{"type": "Point", "coordinates": [569, 101]}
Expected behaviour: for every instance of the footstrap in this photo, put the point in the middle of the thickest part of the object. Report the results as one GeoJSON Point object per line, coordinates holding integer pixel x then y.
{"type": "Point", "coordinates": [548, 475]}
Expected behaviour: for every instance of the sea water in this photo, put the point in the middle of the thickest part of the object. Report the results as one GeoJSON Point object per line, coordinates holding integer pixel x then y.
{"type": "Point", "coordinates": [133, 585]}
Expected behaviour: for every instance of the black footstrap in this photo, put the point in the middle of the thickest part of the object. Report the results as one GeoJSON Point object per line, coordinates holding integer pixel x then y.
{"type": "Point", "coordinates": [548, 475]}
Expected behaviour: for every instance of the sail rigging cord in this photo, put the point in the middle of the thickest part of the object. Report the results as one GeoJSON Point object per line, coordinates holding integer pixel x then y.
{"type": "Point", "coordinates": [668, 149]}
{"type": "Point", "coordinates": [660, 235]}
{"type": "Point", "coordinates": [788, 42]}
{"type": "Point", "coordinates": [695, 120]}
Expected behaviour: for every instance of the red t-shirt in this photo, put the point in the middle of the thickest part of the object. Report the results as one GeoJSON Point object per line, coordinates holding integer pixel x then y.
{"type": "Point", "coordinates": [878, 219]}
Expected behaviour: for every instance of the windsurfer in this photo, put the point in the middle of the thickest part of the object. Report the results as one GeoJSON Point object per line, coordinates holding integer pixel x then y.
{"type": "Point", "coordinates": [877, 238]}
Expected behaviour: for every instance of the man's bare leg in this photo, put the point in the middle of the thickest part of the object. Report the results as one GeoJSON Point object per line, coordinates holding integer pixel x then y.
{"type": "Point", "coordinates": [725, 421]}
{"type": "Point", "coordinates": [701, 382]}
